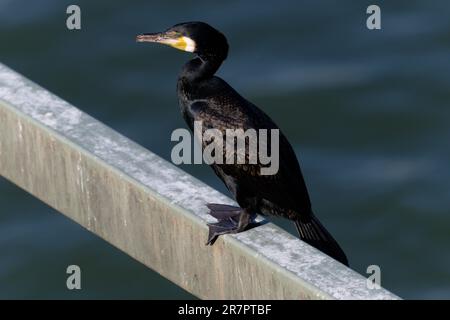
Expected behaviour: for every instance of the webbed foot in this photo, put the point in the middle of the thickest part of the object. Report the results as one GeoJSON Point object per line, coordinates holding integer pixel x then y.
{"type": "Point", "coordinates": [231, 219]}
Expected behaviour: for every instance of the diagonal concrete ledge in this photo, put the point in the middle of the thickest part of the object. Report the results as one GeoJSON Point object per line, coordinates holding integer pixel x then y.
{"type": "Point", "coordinates": [150, 209]}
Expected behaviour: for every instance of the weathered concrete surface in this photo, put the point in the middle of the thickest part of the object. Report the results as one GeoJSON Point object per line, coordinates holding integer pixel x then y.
{"type": "Point", "coordinates": [150, 209]}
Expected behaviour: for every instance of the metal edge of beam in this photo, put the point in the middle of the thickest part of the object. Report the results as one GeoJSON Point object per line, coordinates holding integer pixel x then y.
{"type": "Point", "coordinates": [150, 209]}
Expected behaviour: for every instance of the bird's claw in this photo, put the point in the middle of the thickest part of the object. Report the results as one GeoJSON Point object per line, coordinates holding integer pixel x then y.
{"type": "Point", "coordinates": [224, 226]}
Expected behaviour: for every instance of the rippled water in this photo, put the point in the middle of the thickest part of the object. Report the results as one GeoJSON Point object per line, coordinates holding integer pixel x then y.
{"type": "Point", "coordinates": [366, 111]}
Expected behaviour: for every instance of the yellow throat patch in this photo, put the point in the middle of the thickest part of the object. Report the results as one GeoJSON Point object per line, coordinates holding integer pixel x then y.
{"type": "Point", "coordinates": [181, 43]}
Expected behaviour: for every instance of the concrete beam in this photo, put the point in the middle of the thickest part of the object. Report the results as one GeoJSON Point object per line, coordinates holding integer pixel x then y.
{"type": "Point", "coordinates": [150, 209]}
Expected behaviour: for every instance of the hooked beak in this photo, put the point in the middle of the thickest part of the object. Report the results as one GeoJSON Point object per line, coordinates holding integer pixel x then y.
{"type": "Point", "coordinates": [152, 37]}
{"type": "Point", "coordinates": [170, 38]}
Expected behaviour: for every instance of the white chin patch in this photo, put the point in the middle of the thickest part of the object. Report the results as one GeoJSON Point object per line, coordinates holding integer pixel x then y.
{"type": "Point", "coordinates": [190, 44]}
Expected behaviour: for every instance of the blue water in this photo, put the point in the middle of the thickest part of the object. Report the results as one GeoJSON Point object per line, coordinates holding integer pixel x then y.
{"type": "Point", "coordinates": [366, 111]}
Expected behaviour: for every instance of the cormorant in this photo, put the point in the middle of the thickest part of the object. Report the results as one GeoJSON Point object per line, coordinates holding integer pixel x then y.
{"type": "Point", "coordinates": [207, 98]}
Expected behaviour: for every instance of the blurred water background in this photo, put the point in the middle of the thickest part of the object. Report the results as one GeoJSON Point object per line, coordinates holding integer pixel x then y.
{"type": "Point", "coordinates": [366, 111]}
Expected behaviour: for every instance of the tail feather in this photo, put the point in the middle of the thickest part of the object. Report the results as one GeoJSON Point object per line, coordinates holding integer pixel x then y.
{"type": "Point", "coordinates": [315, 234]}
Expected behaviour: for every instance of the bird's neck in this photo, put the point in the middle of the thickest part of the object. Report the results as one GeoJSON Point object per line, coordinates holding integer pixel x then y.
{"type": "Point", "coordinates": [200, 68]}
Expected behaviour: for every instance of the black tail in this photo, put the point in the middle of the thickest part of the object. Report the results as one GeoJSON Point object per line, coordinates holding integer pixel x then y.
{"type": "Point", "coordinates": [315, 234]}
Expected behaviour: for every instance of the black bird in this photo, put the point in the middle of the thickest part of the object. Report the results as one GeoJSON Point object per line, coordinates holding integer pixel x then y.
{"type": "Point", "coordinates": [207, 98]}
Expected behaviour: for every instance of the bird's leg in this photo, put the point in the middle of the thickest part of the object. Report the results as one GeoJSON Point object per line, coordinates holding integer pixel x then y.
{"type": "Point", "coordinates": [231, 220]}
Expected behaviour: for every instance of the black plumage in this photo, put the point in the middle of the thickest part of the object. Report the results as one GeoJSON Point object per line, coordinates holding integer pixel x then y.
{"type": "Point", "coordinates": [207, 98]}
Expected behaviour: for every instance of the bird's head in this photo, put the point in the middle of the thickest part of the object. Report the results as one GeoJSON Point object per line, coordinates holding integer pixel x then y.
{"type": "Point", "coordinates": [196, 37]}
